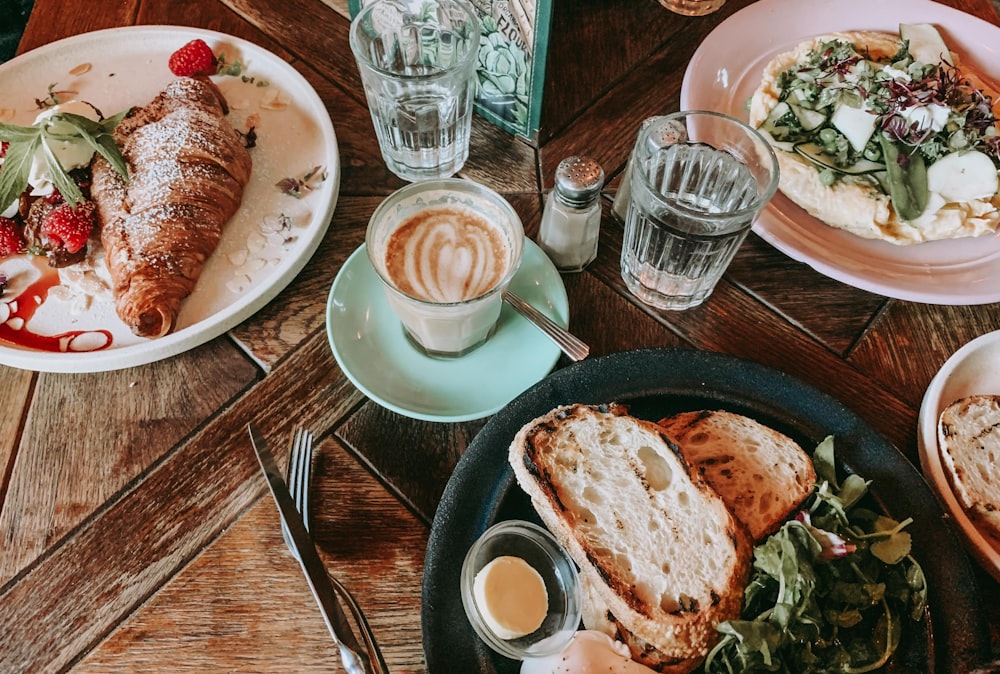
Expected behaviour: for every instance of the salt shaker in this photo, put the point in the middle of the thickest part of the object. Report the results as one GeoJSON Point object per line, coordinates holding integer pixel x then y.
{"type": "Point", "coordinates": [571, 222]}
{"type": "Point", "coordinates": [619, 207]}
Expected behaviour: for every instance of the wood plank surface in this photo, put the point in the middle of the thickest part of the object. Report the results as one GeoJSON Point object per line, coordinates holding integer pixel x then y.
{"type": "Point", "coordinates": [225, 600]}
{"type": "Point", "coordinates": [136, 534]}
{"type": "Point", "coordinates": [69, 464]}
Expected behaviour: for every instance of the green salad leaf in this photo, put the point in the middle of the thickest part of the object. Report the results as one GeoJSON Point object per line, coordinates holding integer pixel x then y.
{"type": "Point", "coordinates": [830, 591]}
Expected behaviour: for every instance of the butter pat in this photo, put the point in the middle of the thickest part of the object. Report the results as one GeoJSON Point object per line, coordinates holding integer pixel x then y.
{"type": "Point", "coordinates": [511, 597]}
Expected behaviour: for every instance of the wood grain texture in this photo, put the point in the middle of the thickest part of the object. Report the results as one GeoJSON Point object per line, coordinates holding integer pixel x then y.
{"type": "Point", "coordinates": [578, 31]}
{"type": "Point", "coordinates": [228, 599]}
{"type": "Point", "coordinates": [88, 582]}
{"type": "Point", "coordinates": [834, 313]}
{"type": "Point", "coordinates": [917, 339]}
{"type": "Point", "coordinates": [16, 390]}
{"type": "Point", "coordinates": [136, 534]}
{"type": "Point", "coordinates": [69, 463]}
{"type": "Point", "coordinates": [49, 22]}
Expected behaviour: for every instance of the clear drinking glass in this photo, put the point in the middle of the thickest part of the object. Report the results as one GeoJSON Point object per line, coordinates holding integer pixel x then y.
{"type": "Point", "coordinates": [698, 179]}
{"type": "Point", "coordinates": [417, 60]}
{"type": "Point", "coordinates": [693, 7]}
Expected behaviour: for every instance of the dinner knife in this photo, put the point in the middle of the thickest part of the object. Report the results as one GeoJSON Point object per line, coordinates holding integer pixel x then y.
{"type": "Point", "coordinates": [354, 659]}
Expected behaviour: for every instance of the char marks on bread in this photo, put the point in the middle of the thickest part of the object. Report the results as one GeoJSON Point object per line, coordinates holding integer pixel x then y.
{"type": "Point", "coordinates": [188, 168]}
{"type": "Point", "coordinates": [761, 474]}
{"type": "Point", "coordinates": [617, 494]}
{"type": "Point", "coordinates": [969, 443]}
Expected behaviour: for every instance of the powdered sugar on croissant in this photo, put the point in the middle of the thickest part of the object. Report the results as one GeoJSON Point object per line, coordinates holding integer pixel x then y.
{"type": "Point", "coordinates": [188, 168]}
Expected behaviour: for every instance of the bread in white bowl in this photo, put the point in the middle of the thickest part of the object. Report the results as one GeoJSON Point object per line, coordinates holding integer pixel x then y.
{"type": "Point", "coordinates": [969, 443]}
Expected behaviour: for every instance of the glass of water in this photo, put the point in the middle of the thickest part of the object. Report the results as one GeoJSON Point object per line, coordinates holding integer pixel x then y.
{"type": "Point", "coordinates": [417, 60]}
{"type": "Point", "coordinates": [698, 179]}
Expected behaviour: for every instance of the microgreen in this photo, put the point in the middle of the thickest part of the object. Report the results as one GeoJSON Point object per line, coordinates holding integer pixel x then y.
{"type": "Point", "coordinates": [26, 141]}
{"type": "Point", "coordinates": [830, 591]}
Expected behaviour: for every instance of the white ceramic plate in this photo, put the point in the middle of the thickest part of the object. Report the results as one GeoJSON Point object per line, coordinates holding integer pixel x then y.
{"type": "Point", "coordinates": [724, 72]}
{"type": "Point", "coordinates": [118, 68]}
{"type": "Point", "coordinates": [975, 368]}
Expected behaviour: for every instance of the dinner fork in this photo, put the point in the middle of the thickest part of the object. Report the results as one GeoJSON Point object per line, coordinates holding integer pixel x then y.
{"type": "Point", "coordinates": [298, 476]}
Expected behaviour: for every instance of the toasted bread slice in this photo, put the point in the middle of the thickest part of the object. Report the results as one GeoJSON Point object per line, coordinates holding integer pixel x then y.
{"type": "Point", "coordinates": [969, 442]}
{"type": "Point", "coordinates": [761, 474]}
{"type": "Point", "coordinates": [663, 559]}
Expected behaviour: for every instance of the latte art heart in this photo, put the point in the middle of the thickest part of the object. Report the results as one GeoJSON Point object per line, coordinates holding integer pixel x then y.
{"type": "Point", "coordinates": [447, 254]}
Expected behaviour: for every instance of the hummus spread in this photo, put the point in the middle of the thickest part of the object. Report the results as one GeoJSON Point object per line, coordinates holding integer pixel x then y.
{"type": "Point", "coordinates": [854, 203]}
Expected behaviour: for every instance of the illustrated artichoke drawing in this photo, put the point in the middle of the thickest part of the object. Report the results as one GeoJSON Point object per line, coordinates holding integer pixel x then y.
{"type": "Point", "coordinates": [504, 77]}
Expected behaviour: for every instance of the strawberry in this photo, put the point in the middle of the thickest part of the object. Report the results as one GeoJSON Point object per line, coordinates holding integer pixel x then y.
{"type": "Point", "coordinates": [11, 241]}
{"type": "Point", "coordinates": [194, 58]}
{"type": "Point", "coordinates": [69, 227]}
{"type": "Point", "coordinates": [3, 149]}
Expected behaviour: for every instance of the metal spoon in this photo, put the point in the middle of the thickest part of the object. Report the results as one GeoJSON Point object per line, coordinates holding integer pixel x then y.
{"type": "Point", "coordinates": [571, 345]}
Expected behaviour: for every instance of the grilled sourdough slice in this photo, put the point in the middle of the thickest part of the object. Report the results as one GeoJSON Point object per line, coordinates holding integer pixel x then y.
{"type": "Point", "coordinates": [969, 442]}
{"type": "Point", "coordinates": [761, 474]}
{"type": "Point", "coordinates": [662, 558]}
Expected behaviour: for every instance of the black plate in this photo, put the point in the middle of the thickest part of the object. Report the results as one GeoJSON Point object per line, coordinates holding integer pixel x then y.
{"type": "Point", "coordinates": [655, 383]}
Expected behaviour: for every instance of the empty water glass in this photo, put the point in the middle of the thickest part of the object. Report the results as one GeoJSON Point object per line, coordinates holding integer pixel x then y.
{"type": "Point", "coordinates": [698, 181]}
{"type": "Point", "coordinates": [417, 60]}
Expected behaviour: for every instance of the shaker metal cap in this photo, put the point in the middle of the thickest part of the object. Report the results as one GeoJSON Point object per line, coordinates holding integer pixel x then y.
{"type": "Point", "coordinates": [578, 180]}
{"type": "Point", "coordinates": [666, 132]}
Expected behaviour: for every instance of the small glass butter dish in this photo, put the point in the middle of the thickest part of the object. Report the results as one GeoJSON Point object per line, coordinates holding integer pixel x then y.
{"type": "Point", "coordinates": [521, 591]}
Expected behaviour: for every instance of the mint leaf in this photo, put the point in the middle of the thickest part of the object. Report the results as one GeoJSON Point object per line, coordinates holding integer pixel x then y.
{"type": "Point", "coordinates": [18, 134]}
{"type": "Point", "coordinates": [25, 141]}
{"type": "Point", "coordinates": [15, 169]}
{"type": "Point", "coordinates": [98, 136]}
{"type": "Point", "coordinates": [105, 145]}
{"type": "Point", "coordinates": [60, 179]}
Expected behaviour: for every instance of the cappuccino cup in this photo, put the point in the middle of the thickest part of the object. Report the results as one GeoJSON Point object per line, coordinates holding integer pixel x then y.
{"type": "Point", "coordinates": [444, 251]}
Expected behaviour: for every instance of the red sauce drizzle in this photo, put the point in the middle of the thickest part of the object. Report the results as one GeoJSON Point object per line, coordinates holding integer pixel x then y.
{"type": "Point", "coordinates": [27, 304]}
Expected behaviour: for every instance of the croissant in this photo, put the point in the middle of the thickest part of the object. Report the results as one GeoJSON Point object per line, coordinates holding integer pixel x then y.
{"type": "Point", "coordinates": [187, 171]}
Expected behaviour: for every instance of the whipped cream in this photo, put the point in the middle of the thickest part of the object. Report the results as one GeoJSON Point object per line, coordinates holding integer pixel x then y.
{"type": "Point", "coordinates": [72, 153]}
{"type": "Point", "coordinates": [588, 652]}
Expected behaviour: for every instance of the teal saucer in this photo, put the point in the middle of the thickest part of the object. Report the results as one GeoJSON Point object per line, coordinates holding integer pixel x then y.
{"type": "Point", "coordinates": [373, 351]}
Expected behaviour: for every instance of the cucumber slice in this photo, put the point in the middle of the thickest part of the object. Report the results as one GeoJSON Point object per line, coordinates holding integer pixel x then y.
{"type": "Point", "coordinates": [815, 154]}
{"type": "Point", "coordinates": [925, 43]}
{"type": "Point", "coordinates": [963, 176]}
{"type": "Point", "coordinates": [857, 124]}
{"type": "Point", "coordinates": [809, 119]}
{"type": "Point", "coordinates": [783, 145]}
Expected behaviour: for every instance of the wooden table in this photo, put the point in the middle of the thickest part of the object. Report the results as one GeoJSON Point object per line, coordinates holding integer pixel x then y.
{"type": "Point", "coordinates": [136, 533]}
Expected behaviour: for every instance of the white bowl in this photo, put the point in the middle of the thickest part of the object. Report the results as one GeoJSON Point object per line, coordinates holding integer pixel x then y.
{"type": "Point", "coordinates": [974, 368]}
